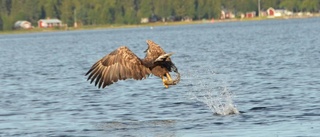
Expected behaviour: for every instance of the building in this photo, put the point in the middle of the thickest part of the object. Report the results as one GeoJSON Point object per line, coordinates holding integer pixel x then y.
{"type": "Point", "coordinates": [278, 12]}
{"type": "Point", "coordinates": [49, 23]}
{"type": "Point", "coordinates": [144, 20]}
{"type": "Point", "coordinates": [270, 11]}
{"type": "Point", "coordinates": [251, 14]}
{"type": "Point", "coordinates": [226, 14]}
{"type": "Point", "coordinates": [22, 24]}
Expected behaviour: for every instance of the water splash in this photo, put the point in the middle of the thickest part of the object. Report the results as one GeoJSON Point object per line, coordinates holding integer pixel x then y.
{"type": "Point", "coordinates": [219, 103]}
{"type": "Point", "coordinates": [216, 96]}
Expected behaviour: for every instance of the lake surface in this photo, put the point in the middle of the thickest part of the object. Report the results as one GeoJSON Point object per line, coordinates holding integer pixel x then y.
{"type": "Point", "coordinates": [268, 70]}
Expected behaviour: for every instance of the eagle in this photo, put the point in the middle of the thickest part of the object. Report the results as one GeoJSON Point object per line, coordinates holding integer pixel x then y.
{"type": "Point", "coordinates": [122, 64]}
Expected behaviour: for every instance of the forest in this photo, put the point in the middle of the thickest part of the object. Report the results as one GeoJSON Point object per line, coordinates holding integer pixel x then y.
{"type": "Point", "coordinates": [100, 12]}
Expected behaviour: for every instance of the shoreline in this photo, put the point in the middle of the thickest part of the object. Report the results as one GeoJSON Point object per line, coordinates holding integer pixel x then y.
{"type": "Point", "coordinates": [154, 24]}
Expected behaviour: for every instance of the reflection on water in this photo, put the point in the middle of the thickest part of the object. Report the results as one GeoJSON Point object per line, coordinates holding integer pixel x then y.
{"type": "Point", "coordinates": [154, 128]}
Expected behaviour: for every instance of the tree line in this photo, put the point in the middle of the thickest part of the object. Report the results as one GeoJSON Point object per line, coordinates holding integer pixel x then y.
{"type": "Point", "coordinates": [100, 12]}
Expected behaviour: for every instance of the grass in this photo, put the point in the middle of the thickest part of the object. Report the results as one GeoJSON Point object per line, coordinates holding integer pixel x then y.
{"type": "Point", "coordinates": [113, 26]}
{"type": "Point", "coordinates": [93, 27]}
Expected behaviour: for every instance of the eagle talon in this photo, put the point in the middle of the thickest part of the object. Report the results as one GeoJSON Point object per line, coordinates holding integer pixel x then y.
{"type": "Point", "coordinates": [166, 86]}
{"type": "Point", "coordinates": [168, 82]}
{"type": "Point", "coordinates": [165, 82]}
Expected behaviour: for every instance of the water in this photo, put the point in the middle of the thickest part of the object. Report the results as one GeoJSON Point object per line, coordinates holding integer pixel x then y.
{"type": "Point", "coordinates": [266, 70]}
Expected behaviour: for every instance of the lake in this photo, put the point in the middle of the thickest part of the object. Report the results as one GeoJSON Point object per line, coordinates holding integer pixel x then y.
{"type": "Point", "coordinates": [268, 71]}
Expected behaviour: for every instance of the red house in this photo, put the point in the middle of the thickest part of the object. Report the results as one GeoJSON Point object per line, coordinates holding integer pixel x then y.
{"type": "Point", "coordinates": [270, 11]}
{"type": "Point", "coordinates": [250, 14]}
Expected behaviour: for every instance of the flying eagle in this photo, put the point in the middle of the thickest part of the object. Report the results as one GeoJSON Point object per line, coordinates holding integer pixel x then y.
{"type": "Point", "coordinates": [122, 64]}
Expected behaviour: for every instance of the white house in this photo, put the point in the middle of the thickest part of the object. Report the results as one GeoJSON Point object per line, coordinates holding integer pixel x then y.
{"type": "Point", "coordinates": [49, 23]}
{"type": "Point", "coordinates": [22, 24]}
{"type": "Point", "coordinates": [278, 12]}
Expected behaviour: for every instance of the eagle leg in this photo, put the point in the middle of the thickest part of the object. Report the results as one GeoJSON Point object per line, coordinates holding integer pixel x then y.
{"type": "Point", "coordinates": [164, 81]}
{"type": "Point", "coordinates": [169, 77]}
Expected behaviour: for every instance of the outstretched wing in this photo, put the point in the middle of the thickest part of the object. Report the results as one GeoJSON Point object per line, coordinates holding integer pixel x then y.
{"type": "Point", "coordinates": [153, 51]}
{"type": "Point", "coordinates": [120, 64]}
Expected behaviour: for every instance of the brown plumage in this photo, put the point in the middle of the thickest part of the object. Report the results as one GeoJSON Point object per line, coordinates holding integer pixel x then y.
{"type": "Point", "coordinates": [122, 64]}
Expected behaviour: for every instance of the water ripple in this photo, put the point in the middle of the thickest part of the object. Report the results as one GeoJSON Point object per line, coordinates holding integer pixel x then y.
{"type": "Point", "coordinates": [258, 69]}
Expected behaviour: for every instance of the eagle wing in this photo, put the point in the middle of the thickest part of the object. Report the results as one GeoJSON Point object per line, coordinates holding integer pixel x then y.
{"type": "Point", "coordinates": [154, 50]}
{"type": "Point", "coordinates": [120, 64]}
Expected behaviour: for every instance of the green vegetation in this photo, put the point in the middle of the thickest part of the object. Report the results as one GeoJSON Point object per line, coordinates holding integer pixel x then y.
{"type": "Point", "coordinates": [108, 12]}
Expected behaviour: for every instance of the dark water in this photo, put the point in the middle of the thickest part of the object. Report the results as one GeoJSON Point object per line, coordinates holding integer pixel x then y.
{"type": "Point", "coordinates": [270, 70]}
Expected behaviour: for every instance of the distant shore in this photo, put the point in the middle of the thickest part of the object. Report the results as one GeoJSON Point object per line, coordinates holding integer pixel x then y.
{"type": "Point", "coordinates": [114, 26]}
